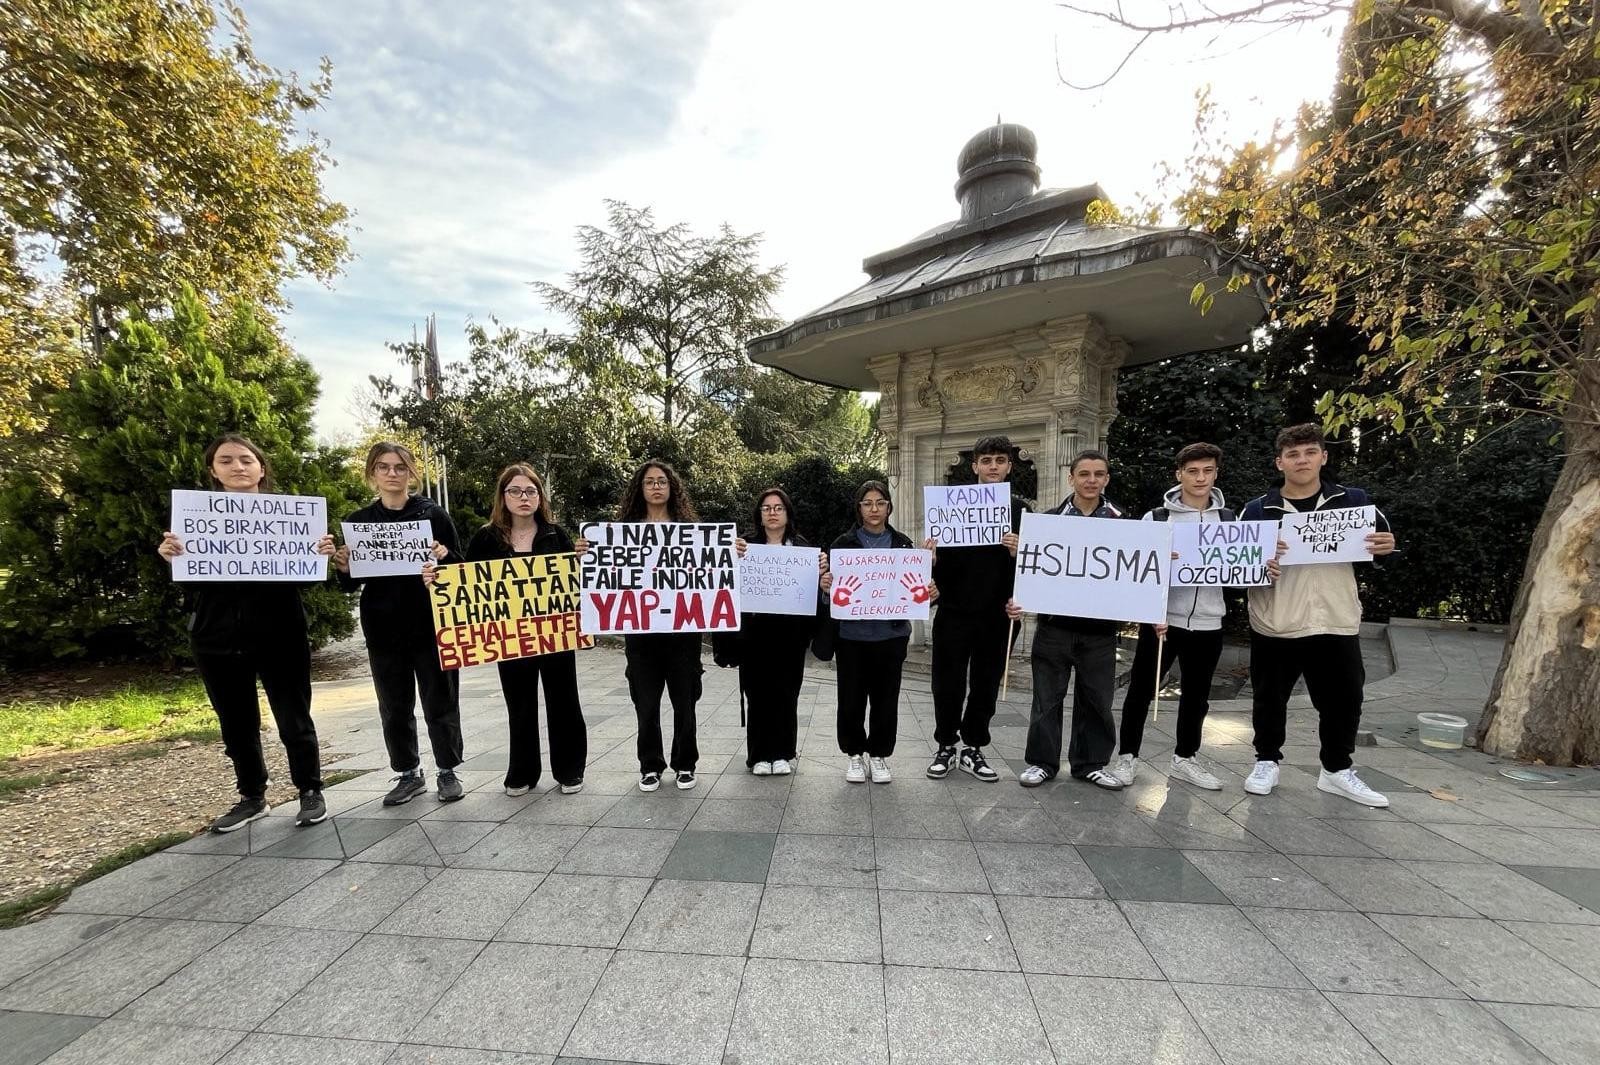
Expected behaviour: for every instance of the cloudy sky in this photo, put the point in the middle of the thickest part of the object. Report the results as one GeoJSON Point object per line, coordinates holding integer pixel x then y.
{"type": "Point", "coordinates": [473, 137]}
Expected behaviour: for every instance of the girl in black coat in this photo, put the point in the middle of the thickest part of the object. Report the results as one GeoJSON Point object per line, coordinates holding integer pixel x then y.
{"type": "Point", "coordinates": [244, 630]}
{"type": "Point", "coordinates": [397, 621]}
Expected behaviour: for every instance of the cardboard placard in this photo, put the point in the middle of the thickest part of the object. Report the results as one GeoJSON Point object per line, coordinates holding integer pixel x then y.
{"type": "Point", "coordinates": [1094, 567]}
{"type": "Point", "coordinates": [880, 585]}
{"type": "Point", "coordinates": [966, 515]}
{"type": "Point", "coordinates": [779, 580]}
{"type": "Point", "coordinates": [1316, 536]}
{"type": "Point", "coordinates": [1222, 554]}
{"type": "Point", "coordinates": [659, 576]}
{"type": "Point", "coordinates": [248, 536]}
{"type": "Point", "coordinates": [388, 548]}
{"type": "Point", "coordinates": [504, 609]}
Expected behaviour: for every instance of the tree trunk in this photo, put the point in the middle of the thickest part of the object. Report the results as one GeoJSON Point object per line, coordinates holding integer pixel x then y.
{"type": "Point", "coordinates": [1545, 702]}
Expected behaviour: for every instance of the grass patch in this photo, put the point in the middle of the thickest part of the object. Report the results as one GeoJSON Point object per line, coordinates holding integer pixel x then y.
{"type": "Point", "coordinates": [18, 912]}
{"type": "Point", "coordinates": [21, 782]}
{"type": "Point", "coordinates": [330, 779]}
{"type": "Point", "coordinates": [15, 913]}
{"type": "Point", "coordinates": [136, 714]}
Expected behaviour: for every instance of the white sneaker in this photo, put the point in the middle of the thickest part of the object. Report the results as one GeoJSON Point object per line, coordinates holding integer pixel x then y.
{"type": "Point", "coordinates": [762, 769]}
{"type": "Point", "coordinates": [781, 767]}
{"type": "Point", "coordinates": [1195, 773]}
{"type": "Point", "coordinates": [1033, 776]}
{"type": "Point", "coordinates": [1346, 783]}
{"type": "Point", "coordinates": [880, 771]}
{"type": "Point", "coordinates": [1262, 779]}
{"type": "Point", "coordinates": [517, 792]}
{"type": "Point", "coordinates": [856, 771]}
{"type": "Point", "coordinates": [1125, 768]}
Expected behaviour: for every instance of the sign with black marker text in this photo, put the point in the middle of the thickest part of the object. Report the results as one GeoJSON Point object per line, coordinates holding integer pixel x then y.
{"type": "Point", "coordinates": [248, 536]}
{"type": "Point", "coordinates": [966, 515]}
{"type": "Point", "coordinates": [1328, 535]}
{"type": "Point", "coordinates": [1094, 567]}
{"type": "Point", "coordinates": [779, 580]}
{"type": "Point", "coordinates": [388, 548]}
{"type": "Point", "coordinates": [1222, 554]}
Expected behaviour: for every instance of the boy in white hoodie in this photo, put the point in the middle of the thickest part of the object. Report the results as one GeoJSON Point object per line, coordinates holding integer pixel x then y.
{"type": "Point", "coordinates": [1193, 633]}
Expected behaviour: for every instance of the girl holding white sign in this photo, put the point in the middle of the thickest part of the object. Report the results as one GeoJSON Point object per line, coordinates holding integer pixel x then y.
{"type": "Point", "coordinates": [397, 621]}
{"type": "Point", "coordinates": [245, 630]}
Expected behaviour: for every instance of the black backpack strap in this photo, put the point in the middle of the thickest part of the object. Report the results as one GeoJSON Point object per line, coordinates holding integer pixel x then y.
{"type": "Point", "coordinates": [1160, 514]}
{"type": "Point", "coordinates": [1227, 515]}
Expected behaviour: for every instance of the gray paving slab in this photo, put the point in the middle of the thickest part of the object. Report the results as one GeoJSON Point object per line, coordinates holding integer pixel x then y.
{"type": "Point", "coordinates": [1302, 835]}
{"type": "Point", "coordinates": [435, 1055]}
{"type": "Point", "coordinates": [1346, 952]}
{"type": "Point", "coordinates": [352, 897]}
{"type": "Point", "coordinates": [239, 983]}
{"type": "Point", "coordinates": [1075, 937]}
{"type": "Point", "coordinates": [515, 996]}
{"type": "Point", "coordinates": [619, 852]}
{"type": "Point", "coordinates": [737, 815]}
{"type": "Point", "coordinates": [135, 888]}
{"type": "Point", "coordinates": [527, 848]}
{"type": "Point", "coordinates": [825, 1013]}
{"type": "Point", "coordinates": [119, 1040]}
{"type": "Point", "coordinates": [1106, 830]}
{"type": "Point", "coordinates": [1038, 869]}
{"type": "Point", "coordinates": [1580, 885]}
{"type": "Point", "coordinates": [578, 911]}
{"type": "Point", "coordinates": [944, 929]}
{"type": "Point", "coordinates": [29, 1038]}
{"type": "Point", "coordinates": [937, 1016]}
{"type": "Point", "coordinates": [26, 947]}
{"type": "Point", "coordinates": [661, 810]}
{"type": "Point", "coordinates": [1504, 894]}
{"type": "Point", "coordinates": [1571, 945]}
{"type": "Point", "coordinates": [1382, 885]}
{"type": "Point", "coordinates": [1435, 1031]}
{"type": "Point", "coordinates": [648, 1007]}
{"type": "Point", "coordinates": [244, 890]}
{"type": "Point", "coordinates": [377, 990]}
{"type": "Point", "coordinates": [719, 855]}
{"type": "Point", "coordinates": [268, 1049]}
{"type": "Point", "coordinates": [1149, 874]}
{"type": "Point", "coordinates": [584, 808]}
{"type": "Point", "coordinates": [929, 865]}
{"type": "Point", "coordinates": [1565, 1035]}
{"type": "Point", "coordinates": [1100, 1021]}
{"type": "Point", "coordinates": [695, 917]}
{"type": "Point", "coordinates": [113, 969]}
{"type": "Point", "coordinates": [1401, 839]}
{"type": "Point", "coordinates": [1197, 943]}
{"type": "Point", "coordinates": [908, 819]}
{"type": "Point", "coordinates": [1251, 879]}
{"type": "Point", "coordinates": [462, 904]}
{"type": "Point", "coordinates": [806, 815]}
{"type": "Point", "coordinates": [812, 923]}
{"type": "Point", "coordinates": [821, 861]}
{"type": "Point", "coordinates": [1488, 962]}
{"type": "Point", "coordinates": [1011, 824]}
{"type": "Point", "coordinates": [1270, 1026]}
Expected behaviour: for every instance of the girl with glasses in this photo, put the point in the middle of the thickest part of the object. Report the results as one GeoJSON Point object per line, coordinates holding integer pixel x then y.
{"type": "Point", "coordinates": [397, 621]}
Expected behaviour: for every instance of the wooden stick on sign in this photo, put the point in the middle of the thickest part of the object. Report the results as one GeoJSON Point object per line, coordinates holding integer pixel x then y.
{"type": "Point", "coordinates": [1161, 640]}
{"type": "Point", "coordinates": [1005, 674]}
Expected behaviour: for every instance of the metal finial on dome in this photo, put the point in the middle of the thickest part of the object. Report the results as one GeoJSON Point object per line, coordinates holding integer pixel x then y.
{"type": "Point", "coordinates": [997, 169]}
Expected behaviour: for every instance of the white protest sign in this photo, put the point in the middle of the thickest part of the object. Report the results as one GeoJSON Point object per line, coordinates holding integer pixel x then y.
{"type": "Point", "coordinates": [1328, 535]}
{"type": "Point", "coordinates": [779, 580]}
{"type": "Point", "coordinates": [1094, 567]}
{"type": "Point", "coordinates": [658, 576]}
{"type": "Point", "coordinates": [388, 548]}
{"type": "Point", "coordinates": [1222, 554]}
{"type": "Point", "coordinates": [880, 585]}
{"type": "Point", "coordinates": [966, 515]}
{"type": "Point", "coordinates": [248, 536]}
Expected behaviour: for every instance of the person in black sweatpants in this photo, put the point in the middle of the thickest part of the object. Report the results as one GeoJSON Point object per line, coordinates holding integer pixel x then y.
{"type": "Point", "coordinates": [244, 630]}
{"type": "Point", "coordinates": [397, 622]}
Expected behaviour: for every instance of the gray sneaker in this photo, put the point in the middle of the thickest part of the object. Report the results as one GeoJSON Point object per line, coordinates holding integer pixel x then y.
{"type": "Point", "coordinates": [244, 811]}
{"type": "Point", "coordinates": [407, 786]}
{"type": "Point", "coordinates": [449, 785]}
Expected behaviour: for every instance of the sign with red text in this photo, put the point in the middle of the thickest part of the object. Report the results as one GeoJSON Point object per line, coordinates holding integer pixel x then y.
{"type": "Point", "coordinates": [659, 576]}
{"type": "Point", "coordinates": [1094, 567]}
{"type": "Point", "coordinates": [966, 515]}
{"type": "Point", "coordinates": [880, 585]}
{"type": "Point", "coordinates": [1328, 535]}
{"type": "Point", "coordinates": [388, 548]}
{"type": "Point", "coordinates": [506, 608]}
{"type": "Point", "coordinates": [1222, 554]}
{"type": "Point", "coordinates": [248, 536]}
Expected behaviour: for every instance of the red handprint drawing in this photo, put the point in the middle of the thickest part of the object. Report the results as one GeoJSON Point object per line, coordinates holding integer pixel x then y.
{"type": "Point", "coordinates": [845, 589]}
{"type": "Point", "coordinates": [913, 584]}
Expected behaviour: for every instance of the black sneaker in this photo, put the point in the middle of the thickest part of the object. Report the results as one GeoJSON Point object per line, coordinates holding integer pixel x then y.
{"type": "Point", "coordinates": [407, 787]}
{"type": "Point", "coordinates": [685, 779]}
{"type": "Point", "coordinates": [448, 785]}
{"type": "Point", "coordinates": [649, 781]}
{"type": "Point", "coordinates": [972, 762]}
{"type": "Point", "coordinates": [244, 811]}
{"type": "Point", "coordinates": [313, 811]}
{"type": "Point", "coordinates": [940, 766]}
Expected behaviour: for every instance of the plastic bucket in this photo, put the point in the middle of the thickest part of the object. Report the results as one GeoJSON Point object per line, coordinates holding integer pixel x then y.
{"type": "Point", "coordinates": [1442, 730]}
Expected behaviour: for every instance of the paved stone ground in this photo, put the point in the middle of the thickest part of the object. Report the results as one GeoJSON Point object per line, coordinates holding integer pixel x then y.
{"type": "Point", "coordinates": [809, 920]}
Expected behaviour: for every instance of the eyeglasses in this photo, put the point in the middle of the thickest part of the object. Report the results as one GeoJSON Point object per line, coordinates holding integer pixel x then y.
{"type": "Point", "coordinates": [385, 468]}
{"type": "Point", "coordinates": [874, 504]}
{"type": "Point", "coordinates": [776, 508]}
{"type": "Point", "coordinates": [656, 482]}
{"type": "Point", "coordinates": [522, 493]}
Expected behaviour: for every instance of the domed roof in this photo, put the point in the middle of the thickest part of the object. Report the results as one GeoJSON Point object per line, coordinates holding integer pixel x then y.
{"type": "Point", "coordinates": [1003, 142]}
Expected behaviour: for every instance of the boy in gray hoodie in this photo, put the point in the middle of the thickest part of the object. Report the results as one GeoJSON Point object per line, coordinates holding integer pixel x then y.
{"type": "Point", "coordinates": [1193, 633]}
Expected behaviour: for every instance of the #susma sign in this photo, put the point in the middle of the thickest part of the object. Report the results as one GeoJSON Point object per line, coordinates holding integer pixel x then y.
{"type": "Point", "coordinates": [660, 577]}
{"type": "Point", "coordinates": [1094, 567]}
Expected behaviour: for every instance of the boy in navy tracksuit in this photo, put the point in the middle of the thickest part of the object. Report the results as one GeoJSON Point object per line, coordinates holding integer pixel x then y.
{"type": "Point", "coordinates": [1308, 624]}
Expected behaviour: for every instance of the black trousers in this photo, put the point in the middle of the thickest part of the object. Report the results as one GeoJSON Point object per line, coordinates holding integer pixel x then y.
{"type": "Point", "coordinates": [670, 662]}
{"type": "Point", "coordinates": [771, 670]}
{"type": "Point", "coordinates": [1335, 677]}
{"type": "Point", "coordinates": [399, 670]}
{"type": "Point", "coordinates": [1057, 653]}
{"type": "Point", "coordinates": [869, 674]}
{"type": "Point", "coordinates": [969, 660]}
{"type": "Point", "coordinates": [285, 673]}
{"type": "Point", "coordinates": [1196, 651]}
{"type": "Point", "coordinates": [569, 737]}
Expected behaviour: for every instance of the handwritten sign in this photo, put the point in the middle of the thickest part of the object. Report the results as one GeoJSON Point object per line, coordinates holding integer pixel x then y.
{"type": "Point", "coordinates": [886, 585]}
{"type": "Point", "coordinates": [1222, 554]}
{"type": "Point", "coordinates": [1094, 567]}
{"type": "Point", "coordinates": [966, 515]}
{"type": "Point", "coordinates": [388, 548]}
{"type": "Point", "coordinates": [779, 580]}
{"type": "Point", "coordinates": [1328, 535]}
{"type": "Point", "coordinates": [660, 577]}
{"type": "Point", "coordinates": [248, 536]}
{"type": "Point", "coordinates": [503, 609]}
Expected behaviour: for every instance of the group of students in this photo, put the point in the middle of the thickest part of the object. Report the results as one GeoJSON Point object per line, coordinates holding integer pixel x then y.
{"type": "Point", "coordinates": [1303, 625]}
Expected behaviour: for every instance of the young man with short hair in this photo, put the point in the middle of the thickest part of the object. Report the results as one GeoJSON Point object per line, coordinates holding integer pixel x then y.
{"type": "Point", "coordinates": [1308, 624]}
{"type": "Point", "coordinates": [1192, 635]}
{"type": "Point", "coordinates": [971, 630]}
{"type": "Point", "coordinates": [1062, 645]}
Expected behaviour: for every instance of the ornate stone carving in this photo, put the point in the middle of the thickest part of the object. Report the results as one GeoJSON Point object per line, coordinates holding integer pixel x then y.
{"type": "Point", "coordinates": [993, 383]}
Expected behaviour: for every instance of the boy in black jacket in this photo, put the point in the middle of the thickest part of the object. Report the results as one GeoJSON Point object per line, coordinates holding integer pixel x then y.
{"type": "Point", "coordinates": [971, 630]}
